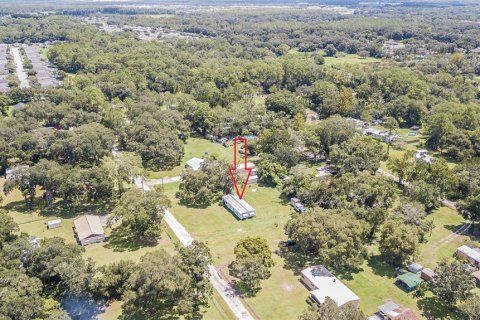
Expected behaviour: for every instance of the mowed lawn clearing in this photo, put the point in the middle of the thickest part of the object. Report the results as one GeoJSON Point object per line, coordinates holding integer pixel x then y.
{"type": "Point", "coordinates": [446, 221]}
{"type": "Point", "coordinates": [35, 224]}
{"type": "Point", "coordinates": [195, 147]}
{"type": "Point", "coordinates": [282, 296]}
{"type": "Point", "coordinates": [375, 283]}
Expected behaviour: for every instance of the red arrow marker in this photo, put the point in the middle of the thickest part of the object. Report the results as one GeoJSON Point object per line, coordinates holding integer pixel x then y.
{"type": "Point", "coordinates": [234, 169]}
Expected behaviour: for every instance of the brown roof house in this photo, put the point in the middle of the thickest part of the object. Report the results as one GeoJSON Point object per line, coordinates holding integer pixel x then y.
{"type": "Point", "coordinates": [89, 229]}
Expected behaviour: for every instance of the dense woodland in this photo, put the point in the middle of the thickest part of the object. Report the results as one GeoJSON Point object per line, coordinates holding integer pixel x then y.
{"type": "Point", "coordinates": [256, 73]}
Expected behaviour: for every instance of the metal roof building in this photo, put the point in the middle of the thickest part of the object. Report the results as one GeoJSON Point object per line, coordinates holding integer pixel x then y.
{"type": "Point", "coordinates": [324, 284]}
{"type": "Point", "coordinates": [89, 229]}
{"type": "Point", "coordinates": [471, 254]}
{"type": "Point", "coordinates": [238, 206]}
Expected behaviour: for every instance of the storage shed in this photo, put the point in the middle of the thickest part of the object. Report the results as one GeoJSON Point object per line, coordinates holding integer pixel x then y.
{"type": "Point", "coordinates": [239, 207]}
{"type": "Point", "coordinates": [476, 275]}
{"type": "Point", "coordinates": [427, 274]}
{"type": "Point", "coordinates": [52, 224]}
{"type": "Point", "coordinates": [408, 281]}
{"type": "Point", "coordinates": [415, 268]}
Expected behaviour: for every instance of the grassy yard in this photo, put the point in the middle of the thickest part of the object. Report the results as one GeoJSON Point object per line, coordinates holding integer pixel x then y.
{"type": "Point", "coordinates": [374, 284]}
{"type": "Point", "coordinates": [117, 248]}
{"type": "Point", "coordinates": [195, 147]}
{"type": "Point", "coordinates": [340, 58]}
{"type": "Point", "coordinates": [350, 59]}
{"type": "Point", "coordinates": [282, 296]}
{"type": "Point", "coordinates": [446, 221]}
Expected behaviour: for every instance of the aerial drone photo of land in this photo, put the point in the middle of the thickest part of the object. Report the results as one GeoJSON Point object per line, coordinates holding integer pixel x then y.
{"type": "Point", "coordinates": [251, 160]}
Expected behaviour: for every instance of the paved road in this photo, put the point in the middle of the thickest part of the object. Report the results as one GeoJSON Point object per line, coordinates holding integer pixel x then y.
{"type": "Point", "coordinates": [226, 291]}
{"type": "Point", "coordinates": [21, 74]}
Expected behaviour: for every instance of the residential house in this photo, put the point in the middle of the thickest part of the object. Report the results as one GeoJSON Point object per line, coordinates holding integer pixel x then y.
{"type": "Point", "coordinates": [89, 229]}
{"type": "Point", "coordinates": [324, 284]}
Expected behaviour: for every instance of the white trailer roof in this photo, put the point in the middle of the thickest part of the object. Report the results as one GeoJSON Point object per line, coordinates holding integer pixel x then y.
{"type": "Point", "coordinates": [240, 205]}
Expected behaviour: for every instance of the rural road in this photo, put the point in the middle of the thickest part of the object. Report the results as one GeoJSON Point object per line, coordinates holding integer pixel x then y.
{"type": "Point", "coordinates": [226, 291]}
{"type": "Point", "coordinates": [453, 235]}
{"type": "Point", "coordinates": [21, 74]}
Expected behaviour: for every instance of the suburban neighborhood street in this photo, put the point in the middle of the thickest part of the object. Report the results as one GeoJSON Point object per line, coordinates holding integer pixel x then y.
{"type": "Point", "coordinates": [21, 74]}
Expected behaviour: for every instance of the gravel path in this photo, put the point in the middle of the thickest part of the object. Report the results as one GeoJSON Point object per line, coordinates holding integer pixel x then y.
{"type": "Point", "coordinates": [21, 74]}
{"type": "Point", "coordinates": [453, 235]}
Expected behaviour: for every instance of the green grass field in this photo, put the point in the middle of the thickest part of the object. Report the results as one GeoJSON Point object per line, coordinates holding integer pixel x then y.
{"type": "Point", "coordinates": [282, 296]}
{"type": "Point", "coordinates": [34, 224]}
{"type": "Point", "coordinates": [374, 284]}
{"type": "Point", "coordinates": [194, 147]}
{"type": "Point", "coordinates": [341, 58]}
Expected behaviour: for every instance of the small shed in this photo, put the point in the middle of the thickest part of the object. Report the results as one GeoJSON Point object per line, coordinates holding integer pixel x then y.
{"type": "Point", "coordinates": [387, 308]}
{"type": "Point", "coordinates": [427, 274]}
{"type": "Point", "coordinates": [253, 179]}
{"type": "Point", "coordinates": [415, 268]}
{"type": "Point", "coordinates": [195, 163]}
{"type": "Point", "coordinates": [476, 275]}
{"type": "Point", "coordinates": [52, 224]}
{"type": "Point", "coordinates": [409, 281]}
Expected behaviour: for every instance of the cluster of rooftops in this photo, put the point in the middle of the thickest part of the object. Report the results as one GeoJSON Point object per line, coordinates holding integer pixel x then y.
{"type": "Point", "coordinates": [323, 284]}
{"type": "Point", "coordinates": [3, 69]}
{"type": "Point", "coordinates": [44, 71]}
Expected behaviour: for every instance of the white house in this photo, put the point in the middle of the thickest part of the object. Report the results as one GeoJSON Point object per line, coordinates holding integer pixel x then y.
{"type": "Point", "coordinates": [323, 284]}
{"type": "Point", "coordinates": [195, 163]}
